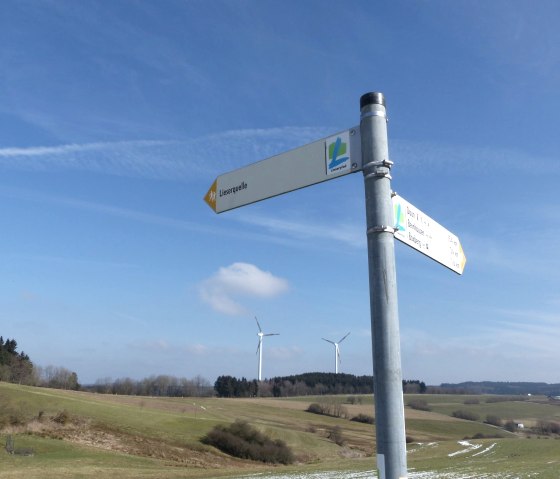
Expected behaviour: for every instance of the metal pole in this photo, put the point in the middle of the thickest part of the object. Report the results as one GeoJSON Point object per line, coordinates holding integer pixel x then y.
{"type": "Point", "coordinates": [336, 353]}
{"type": "Point", "coordinates": [260, 357]}
{"type": "Point", "coordinates": [389, 405]}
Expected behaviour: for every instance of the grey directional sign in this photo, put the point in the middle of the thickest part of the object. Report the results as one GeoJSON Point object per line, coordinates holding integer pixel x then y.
{"type": "Point", "coordinates": [418, 230]}
{"type": "Point", "coordinates": [322, 160]}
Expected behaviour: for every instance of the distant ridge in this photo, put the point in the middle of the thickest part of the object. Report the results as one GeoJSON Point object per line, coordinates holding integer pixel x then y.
{"type": "Point", "coordinates": [498, 387]}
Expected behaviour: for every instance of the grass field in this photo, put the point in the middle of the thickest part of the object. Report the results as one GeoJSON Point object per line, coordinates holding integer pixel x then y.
{"type": "Point", "coordinates": [83, 435]}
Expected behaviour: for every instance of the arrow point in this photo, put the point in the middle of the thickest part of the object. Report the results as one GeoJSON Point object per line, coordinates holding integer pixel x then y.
{"type": "Point", "coordinates": [463, 257]}
{"type": "Point", "coordinates": [210, 197]}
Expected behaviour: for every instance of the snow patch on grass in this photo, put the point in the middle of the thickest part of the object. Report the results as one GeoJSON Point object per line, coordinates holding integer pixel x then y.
{"type": "Point", "coordinates": [469, 448]}
{"type": "Point", "coordinates": [484, 451]}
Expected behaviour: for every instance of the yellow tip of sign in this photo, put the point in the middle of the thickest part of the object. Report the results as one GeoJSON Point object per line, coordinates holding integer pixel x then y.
{"type": "Point", "coordinates": [463, 258]}
{"type": "Point", "coordinates": [210, 197]}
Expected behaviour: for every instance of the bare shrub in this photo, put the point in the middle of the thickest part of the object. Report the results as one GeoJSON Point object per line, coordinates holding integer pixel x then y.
{"type": "Point", "coordinates": [315, 408]}
{"type": "Point", "coordinates": [495, 399]}
{"type": "Point", "coordinates": [493, 420]}
{"type": "Point", "coordinates": [468, 415]}
{"type": "Point", "coordinates": [62, 417]}
{"type": "Point", "coordinates": [335, 435]}
{"type": "Point", "coordinates": [364, 418]}
{"type": "Point", "coordinates": [328, 408]}
{"type": "Point", "coordinates": [510, 426]}
{"type": "Point", "coordinates": [244, 441]}
{"type": "Point", "coordinates": [547, 427]}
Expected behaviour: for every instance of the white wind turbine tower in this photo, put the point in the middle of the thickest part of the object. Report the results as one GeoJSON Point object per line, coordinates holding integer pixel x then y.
{"type": "Point", "coordinates": [260, 334]}
{"type": "Point", "coordinates": [336, 351]}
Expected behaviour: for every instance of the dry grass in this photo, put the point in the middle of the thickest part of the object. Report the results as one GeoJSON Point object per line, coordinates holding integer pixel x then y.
{"type": "Point", "coordinates": [135, 437]}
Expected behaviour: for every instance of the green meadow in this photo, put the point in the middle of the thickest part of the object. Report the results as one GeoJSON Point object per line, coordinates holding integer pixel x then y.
{"type": "Point", "coordinates": [85, 435]}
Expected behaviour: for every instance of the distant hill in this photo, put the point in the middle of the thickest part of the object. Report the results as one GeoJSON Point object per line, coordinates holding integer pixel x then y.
{"type": "Point", "coordinates": [493, 387]}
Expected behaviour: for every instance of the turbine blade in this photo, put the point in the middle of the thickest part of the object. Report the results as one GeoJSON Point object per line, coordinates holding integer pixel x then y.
{"type": "Point", "coordinates": [344, 338]}
{"type": "Point", "coordinates": [328, 340]}
{"type": "Point", "coordinates": [272, 334]}
{"type": "Point", "coordinates": [259, 326]}
{"type": "Point", "coordinates": [258, 347]}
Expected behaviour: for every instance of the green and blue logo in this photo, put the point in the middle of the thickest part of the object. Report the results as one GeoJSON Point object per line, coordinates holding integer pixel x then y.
{"type": "Point", "coordinates": [338, 154]}
{"type": "Point", "coordinates": [400, 223]}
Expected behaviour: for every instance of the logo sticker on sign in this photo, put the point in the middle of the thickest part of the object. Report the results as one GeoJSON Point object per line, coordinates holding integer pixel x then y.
{"type": "Point", "coordinates": [338, 154]}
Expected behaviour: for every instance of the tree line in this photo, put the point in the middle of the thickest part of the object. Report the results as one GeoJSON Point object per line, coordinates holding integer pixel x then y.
{"type": "Point", "coordinates": [18, 368]}
{"type": "Point", "coordinates": [14, 367]}
{"type": "Point", "coordinates": [499, 387]}
{"type": "Point", "coordinates": [306, 384]}
{"type": "Point", "coordinates": [160, 386]}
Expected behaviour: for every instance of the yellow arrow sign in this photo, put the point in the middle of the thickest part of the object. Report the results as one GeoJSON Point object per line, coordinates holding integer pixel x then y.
{"type": "Point", "coordinates": [462, 257]}
{"type": "Point", "coordinates": [210, 197]}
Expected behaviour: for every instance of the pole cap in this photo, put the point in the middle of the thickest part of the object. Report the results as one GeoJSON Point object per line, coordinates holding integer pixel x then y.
{"type": "Point", "coordinates": [372, 98]}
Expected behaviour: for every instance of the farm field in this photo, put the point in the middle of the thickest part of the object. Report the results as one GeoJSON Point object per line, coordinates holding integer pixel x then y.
{"type": "Point", "coordinates": [83, 435]}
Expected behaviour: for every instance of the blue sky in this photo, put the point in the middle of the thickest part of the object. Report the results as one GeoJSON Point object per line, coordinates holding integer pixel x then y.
{"type": "Point", "coordinates": [116, 117]}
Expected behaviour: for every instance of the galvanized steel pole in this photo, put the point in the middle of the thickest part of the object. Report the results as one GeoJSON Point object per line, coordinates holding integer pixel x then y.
{"type": "Point", "coordinates": [389, 405]}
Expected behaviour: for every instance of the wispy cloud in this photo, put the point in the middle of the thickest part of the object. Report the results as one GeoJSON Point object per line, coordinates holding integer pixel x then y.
{"type": "Point", "coordinates": [278, 231]}
{"type": "Point", "coordinates": [285, 353]}
{"type": "Point", "coordinates": [515, 345]}
{"type": "Point", "coordinates": [81, 262]}
{"type": "Point", "coordinates": [420, 157]}
{"type": "Point", "coordinates": [211, 155]}
{"type": "Point", "coordinates": [151, 159]}
{"type": "Point", "coordinates": [489, 253]}
{"type": "Point", "coordinates": [157, 345]}
{"type": "Point", "coordinates": [529, 332]}
{"type": "Point", "coordinates": [345, 233]}
{"type": "Point", "coordinates": [54, 151]}
{"type": "Point", "coordinates": [182, 160]}
{"type": "Point", "coordinates": [102, 208]}
{"type": "Point", "coordinates": [239, 279]}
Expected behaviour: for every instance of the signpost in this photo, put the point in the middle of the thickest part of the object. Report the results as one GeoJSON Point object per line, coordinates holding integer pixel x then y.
{"type": "Point", "coordinates": [418, 230]}
{"type": "Point", "coordinates": [363, 148]}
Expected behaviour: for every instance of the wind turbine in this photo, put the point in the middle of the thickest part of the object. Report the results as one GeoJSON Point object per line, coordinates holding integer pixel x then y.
{"type": "Point", "coordinates": [260, 334]}
{"type": "Point", "coordinates": [336, 351]}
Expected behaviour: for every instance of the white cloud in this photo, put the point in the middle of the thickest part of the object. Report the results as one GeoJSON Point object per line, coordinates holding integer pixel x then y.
{"type": "Point", "coordinates": [239, 279]}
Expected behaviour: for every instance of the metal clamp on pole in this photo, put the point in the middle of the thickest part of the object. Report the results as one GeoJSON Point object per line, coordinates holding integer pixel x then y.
{"type": "Point", "coordinates": [384, 163]}
{"type": "Point", "coordinates": [378, 174]}
{"type": "Point", "coordinates": [381, 229]}
{"type": "Point", "coordinates": [380, 169]}
{"type": "Point", "coordinates": [374, 113]}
